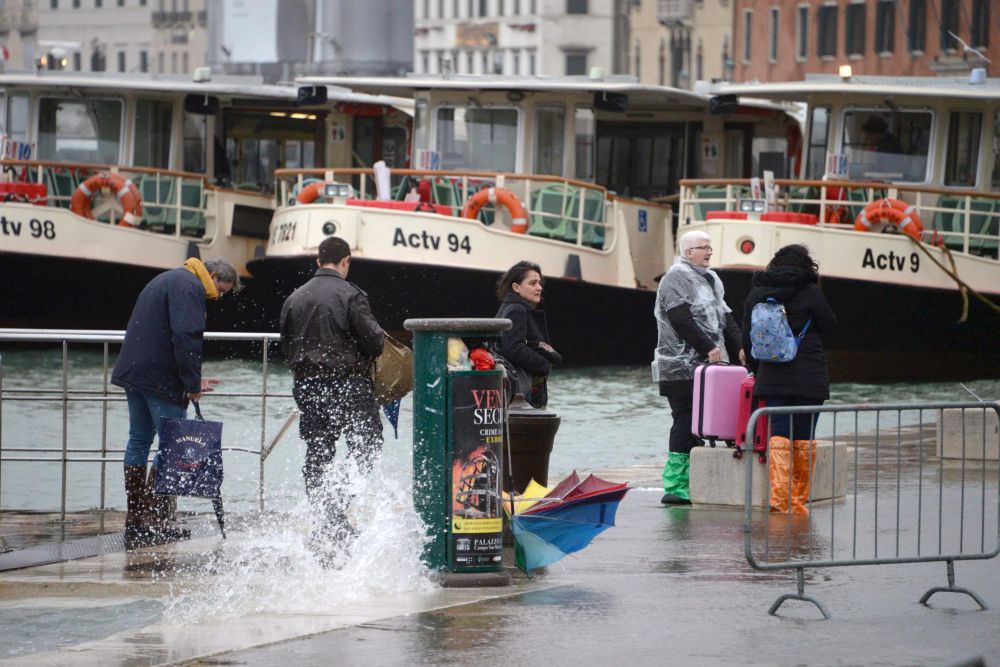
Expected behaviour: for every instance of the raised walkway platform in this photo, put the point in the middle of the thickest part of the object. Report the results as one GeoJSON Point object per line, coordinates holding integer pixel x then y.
{"type": "Point", "coordinates": [667, 585]}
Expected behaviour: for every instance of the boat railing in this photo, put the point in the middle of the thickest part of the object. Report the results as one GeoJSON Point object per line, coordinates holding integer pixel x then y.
{"type": "Point", "coordinates": [174, 203]}
{"type": "Point", "coordinates": [559, 208]}
{"type": "Point", "coordinates": [79, 441]}
{"type": "Point", "coordinates": [966, 221]}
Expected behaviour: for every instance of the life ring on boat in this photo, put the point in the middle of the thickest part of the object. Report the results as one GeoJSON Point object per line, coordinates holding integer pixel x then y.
{"type": "Point", "coordinates": [894, 211]}
{"type": "Point", "coordinates": [124, 190]}
{"type": "Point", "coordinates": [519, 215]}
{"type": "Point", "coordinates": [311, 192]}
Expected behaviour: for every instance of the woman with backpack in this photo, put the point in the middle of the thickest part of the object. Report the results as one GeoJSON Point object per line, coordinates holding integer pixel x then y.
{"type": "Point", "coordinates": [525, 346]}
{"type": "Point", "coordinates": [791, 281]}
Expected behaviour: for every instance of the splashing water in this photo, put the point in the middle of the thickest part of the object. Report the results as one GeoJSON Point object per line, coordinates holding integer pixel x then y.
{"type": "Point", "coordinates": [276, 564]}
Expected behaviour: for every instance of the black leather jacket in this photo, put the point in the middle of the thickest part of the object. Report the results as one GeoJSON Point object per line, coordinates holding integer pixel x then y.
{"type": "Point", "coordinates": [327, 328]}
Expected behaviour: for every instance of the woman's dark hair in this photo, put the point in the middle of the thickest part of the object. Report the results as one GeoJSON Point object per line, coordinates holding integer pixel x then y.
{"type": "Point", "coordinates": [794, 255]}
{"type": "Point", "coordinates": [515, 274]}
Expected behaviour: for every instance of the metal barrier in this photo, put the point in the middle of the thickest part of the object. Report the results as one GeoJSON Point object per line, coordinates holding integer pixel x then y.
{"type": "Point", "coordinates": [106, 394]}
{"type": "Point", "coordinates": [904, 502]}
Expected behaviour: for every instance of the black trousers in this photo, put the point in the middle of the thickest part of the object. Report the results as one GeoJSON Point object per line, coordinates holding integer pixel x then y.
{"type": "Point", "coordinates": [680, 396]}
{"type": "Point", "coordinates": [332, 407]}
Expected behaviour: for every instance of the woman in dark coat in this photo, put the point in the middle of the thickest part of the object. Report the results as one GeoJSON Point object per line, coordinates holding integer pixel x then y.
{"type": "Point", "coordinates": [792, 279]}
{"type": "Point", "coordinates": [526, 345]}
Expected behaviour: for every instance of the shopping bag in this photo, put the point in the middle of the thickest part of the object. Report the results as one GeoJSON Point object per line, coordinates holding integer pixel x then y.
{"type": "Point", "coordinates": [393, 372]}
{"type": "Point", "coordinates": [189, 459]}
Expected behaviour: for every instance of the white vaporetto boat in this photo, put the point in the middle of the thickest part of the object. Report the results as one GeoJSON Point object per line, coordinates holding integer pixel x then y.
{"type": "Point", "coordinates": [557, 171]}
{"type": "Point", "coordinates": [915, 159]}
{"type": "Point", "coordinates": [110, 179]}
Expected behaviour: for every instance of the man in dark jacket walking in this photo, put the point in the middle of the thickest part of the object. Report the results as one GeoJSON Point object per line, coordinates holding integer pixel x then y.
{"type": "Point", "coordinates": [160, 369]}
{"type": "Point", "coordinates": [331, 339]}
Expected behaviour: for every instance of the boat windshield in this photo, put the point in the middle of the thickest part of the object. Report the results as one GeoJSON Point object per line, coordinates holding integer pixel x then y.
{"type": "Point", "coordinates": [86, 131]}
{"type": "Point", "coordinates": [478, 139]}
{"type": "Point", "coordinates": [887, 145]}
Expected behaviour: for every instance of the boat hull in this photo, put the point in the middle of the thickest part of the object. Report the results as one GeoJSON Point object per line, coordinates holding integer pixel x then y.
{"type": "Point", "coordinates": [589, 323]}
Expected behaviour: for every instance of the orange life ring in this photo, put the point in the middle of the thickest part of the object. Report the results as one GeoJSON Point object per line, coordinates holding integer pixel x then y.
{"type": "Point", "coordinates": [124, 190]}
{"type": "Point", "coordinates": [894, 211]}
{"type": "Point", "coordinates": [519, 215]}
{"type": "Point", "coordinates": [311, 192]}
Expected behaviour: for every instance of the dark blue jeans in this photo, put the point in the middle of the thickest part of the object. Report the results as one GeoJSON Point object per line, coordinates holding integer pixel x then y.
{"type": "Point", "coordinates": [144, 414]}
{"type": "Point", "coordinates": [794, 427]}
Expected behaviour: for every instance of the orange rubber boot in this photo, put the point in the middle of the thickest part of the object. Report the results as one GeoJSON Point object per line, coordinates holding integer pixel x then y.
{"type": "Point", "coordinates": [803, 463]}
{"type": "Point", "coordinates": [778, 463]}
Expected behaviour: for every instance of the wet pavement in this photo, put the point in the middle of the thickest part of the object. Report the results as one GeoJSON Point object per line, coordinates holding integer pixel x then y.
{"type": "Point", "coordinates": [666, 585]}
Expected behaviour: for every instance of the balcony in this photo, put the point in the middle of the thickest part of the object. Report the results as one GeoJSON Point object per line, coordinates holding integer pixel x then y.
{"type": "Point", "coordinates": [171, 19]}
{"type": "Point", "coordinates": [674, 12]}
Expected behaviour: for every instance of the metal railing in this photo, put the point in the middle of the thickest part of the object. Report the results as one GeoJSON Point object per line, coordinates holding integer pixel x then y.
{"type": "Point", "coordinates": [106, 394]}
{"type": "Point", "coordinates": [900, 501]}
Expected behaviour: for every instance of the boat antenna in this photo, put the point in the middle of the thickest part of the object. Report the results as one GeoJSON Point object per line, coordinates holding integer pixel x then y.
{"type": "Point", "coordinates": [971, 392]}
{"type": "Point", "coordinates": [966, 48]}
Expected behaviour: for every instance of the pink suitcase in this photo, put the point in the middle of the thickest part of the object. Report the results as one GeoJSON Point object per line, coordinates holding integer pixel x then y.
{"type": "Point", "coordinates": [747, 405]}
{"type": "Point", "coordinates": [716, 401]}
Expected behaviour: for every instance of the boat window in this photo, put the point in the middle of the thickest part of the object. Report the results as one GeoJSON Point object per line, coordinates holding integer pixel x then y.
{"type": "Point", "coordinates": [964, 131]}
{"type": "Point", "coordinates": [16, 119]}
{"type": "Point", "coordinates": [890, 145]}
{"type": "Point", "coordinates": [995, 177]}
{"type": "Point", "coordinates": [477, 138]}
{"type": "Point", "coordinates": [585, 134]}
{"type": "Point", "coordinates": [819, 141]}
{"type": "Point", "coordinates": [79, 130]}
{"type": "Point", "coordinates": [259, 141]}
{"type": "Point", "coordinates": [550, 123]}
{"type": "Point", "coordinates": [640, 159]}
{"type": "Point", "coordinates": [195, 131]}
{"type": "Point", "coordinates": [152, 133]}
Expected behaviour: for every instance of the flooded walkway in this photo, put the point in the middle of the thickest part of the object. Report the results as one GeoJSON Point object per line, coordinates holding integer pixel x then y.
{"type": "Point", "coordinates": [665, 585]}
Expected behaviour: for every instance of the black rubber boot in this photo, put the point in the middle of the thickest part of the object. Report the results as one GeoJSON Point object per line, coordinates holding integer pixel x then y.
{"type": "Point", "coordinates": [163, 528]}
{"type": "Point", "coordinates": [671, 499]}
{"type": "Point", "coordinates": [137, 533]}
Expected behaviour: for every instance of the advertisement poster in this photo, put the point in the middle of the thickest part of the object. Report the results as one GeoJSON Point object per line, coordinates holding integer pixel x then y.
{"type": "Point", "coordinates": [477, 439]}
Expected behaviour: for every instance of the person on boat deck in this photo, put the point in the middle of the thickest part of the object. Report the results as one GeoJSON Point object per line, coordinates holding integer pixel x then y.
{"type": "Point", "coordinates": [792, 278]}
{"type": "Point", "coordinates": [694, 327]}
{"type": "Point", "coordinates": [159, 368]}
{"type": "Point", "coordinates": [331, 339]}
{"type": "Point", "coordinates": [882, 143]}
{"type": "Point", "coordinates": [526, 345]}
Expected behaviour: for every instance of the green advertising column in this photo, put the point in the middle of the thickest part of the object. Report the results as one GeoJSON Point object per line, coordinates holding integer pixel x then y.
{"type": "Point", "coordinates": [458, 427]}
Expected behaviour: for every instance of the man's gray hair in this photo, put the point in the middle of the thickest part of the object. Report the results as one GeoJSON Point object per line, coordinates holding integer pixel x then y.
{"type": "Point", "coordinates": [224, 271]}
{"type": "Point", "coordinates": [692, 239]}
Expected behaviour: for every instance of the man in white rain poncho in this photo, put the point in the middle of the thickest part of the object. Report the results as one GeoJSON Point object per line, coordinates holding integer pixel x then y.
{"type": "Point", "coordinates": [695, 326]}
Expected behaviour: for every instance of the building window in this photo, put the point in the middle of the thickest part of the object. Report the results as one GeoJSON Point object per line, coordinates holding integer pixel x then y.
{"type": "Point", "coordinates": [77, 61]}
{"type": "Point", "coordinates": [576, 6]}
{"type": "Point", "coordinates": [425, 62]}
{"type": "Point", "coordinates": [144, 61]}
{"type": "Point", "coordinates": [53, 4]}
{"type": "Point", "coordinates": [638, 61]}
{"type": "Point", "coordinates": [775, 22]}
{"type": "Point", "coordinates": [826, 23]}
{"type": "Point", "coordinates": [965, 131]}
{"type": "Point", "coordinates": [854, 42]}
{"type": "Point", "coordinates": [499, 7]}
{"type": "Point", "coordinates": [979, 26]}
{"type": "Point", "coordinates": [470, 65]}
{"type": "Point", "coordinates": [121, 3]}
{"type": "Point", "coordinates": [699, 63]}
{"type": "Point", "coordinates": [885, 26]}
{"type": "Point", "coordinates": [97, 60]}
{"type": "Point", "coordinates": [661, 62]}
{"type": "Point", "coordinates": [517, 7]}
{"type": "Point", "coordinates": [184, 63]}
{"type": "Point", "coordinates": [916, 33]}
{"type": "Point", "coordinates": [949, 25]}
{"type": "Point", "coordinates": [515, 62]}
{"type": "Point", "coordinates": [121, 61]}
{"type": "Point", "coordinates": [483, 7]}
{"type": "Point", "coordinates": [531, 63]}
{"type": "Point", "coordinates": [160, 63]}
{"type": "Point", "coordinates": [802, 32]}
{"type": "Point", "coordinates": [440, 9]}
{"type": "Point", "coordinates": [427, 9]}
{"type": "Point", "coordinates": [576, 63]}
{"type": "Point", "coordinates": [76, 4]}
{"type": "Point", "coordinates": [454, 9]}
{"type": "Point", "coordinates": [747, 34]}
{"type": "Point", "coordinates": [173, 63]}
{"type": "Point", "coordinates": [98, 4]}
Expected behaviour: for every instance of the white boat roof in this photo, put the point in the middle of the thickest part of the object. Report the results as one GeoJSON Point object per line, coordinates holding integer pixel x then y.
{"type": "Point", "coordinates": [223, 85]}
{"type": "Point", "coordinates": [881, 86]}
{"type": "Point", "coordinates": [639, 94]}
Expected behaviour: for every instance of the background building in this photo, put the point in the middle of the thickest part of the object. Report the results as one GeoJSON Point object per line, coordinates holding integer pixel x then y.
{"type": "Point", "coordinates": [780, 40]}
{"type": "Point", "coordinates": [678, 42]}
{"type": "Point", "coordinates": [521, 37]}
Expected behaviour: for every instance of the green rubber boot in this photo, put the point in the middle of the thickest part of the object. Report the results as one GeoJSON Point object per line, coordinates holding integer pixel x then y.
{"type": "Point", "coordinates": [676, 478]}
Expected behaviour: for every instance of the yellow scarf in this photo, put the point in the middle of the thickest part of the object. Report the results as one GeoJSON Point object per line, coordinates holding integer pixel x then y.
{"type": "Point", "coordinates": [195, 266]}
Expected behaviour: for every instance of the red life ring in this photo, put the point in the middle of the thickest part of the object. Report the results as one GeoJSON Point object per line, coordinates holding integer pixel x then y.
{"type": "Point", "coordinates": [311, 192]}
{"type": "Point", "coordinates": [519, 215]}
{"type": "Point", "coordinates": [894, 211]}
{"type": "Point", "coordinates": [124, 190]}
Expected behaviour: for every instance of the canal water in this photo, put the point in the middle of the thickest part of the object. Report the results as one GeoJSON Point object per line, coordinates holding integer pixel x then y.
{"type": "Point", "coordinates": [612, 417]}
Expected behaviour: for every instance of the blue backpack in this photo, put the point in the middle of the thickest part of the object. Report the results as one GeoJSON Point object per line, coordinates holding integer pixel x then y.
{"type": "Point", "coordinates": [771, 337]}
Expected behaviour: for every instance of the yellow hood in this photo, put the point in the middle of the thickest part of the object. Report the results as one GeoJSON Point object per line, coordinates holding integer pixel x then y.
{"type": "Point", "coordinates": [195, 266]}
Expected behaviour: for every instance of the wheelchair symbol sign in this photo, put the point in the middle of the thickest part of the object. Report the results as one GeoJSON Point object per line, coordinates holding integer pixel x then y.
{"type": "Point", "coordinates": [643, 225]}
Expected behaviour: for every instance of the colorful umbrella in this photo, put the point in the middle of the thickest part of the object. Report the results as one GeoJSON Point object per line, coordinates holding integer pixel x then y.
{"type": "Point", "coordinates": [564, 520]}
